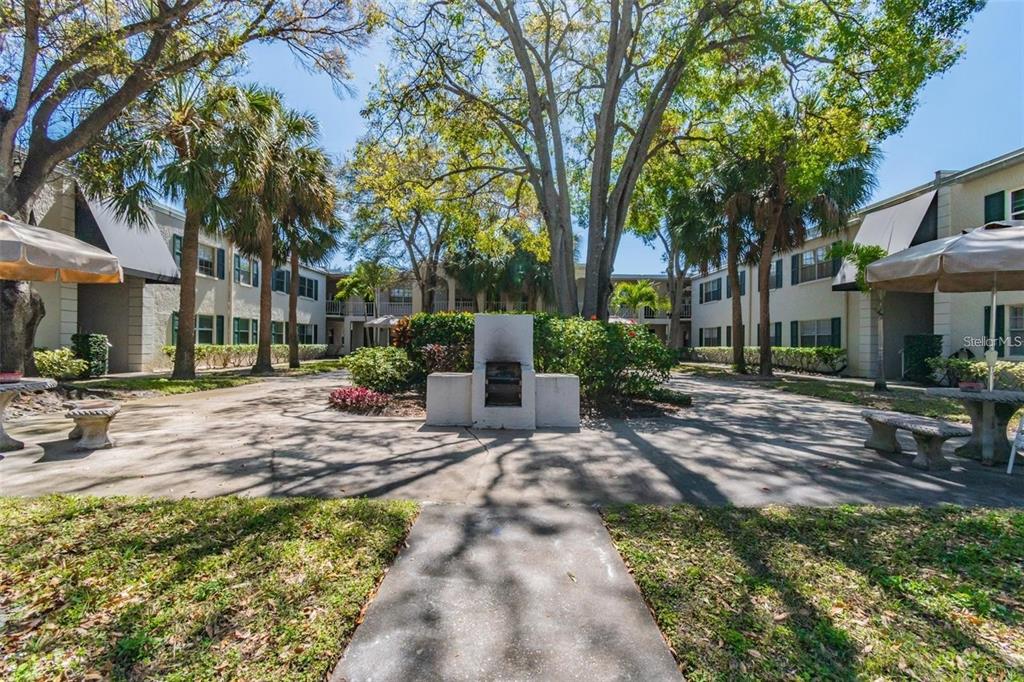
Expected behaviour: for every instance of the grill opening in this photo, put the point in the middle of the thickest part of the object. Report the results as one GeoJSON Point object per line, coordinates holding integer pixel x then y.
{"type": "Point", "coordinates": [503, 384]}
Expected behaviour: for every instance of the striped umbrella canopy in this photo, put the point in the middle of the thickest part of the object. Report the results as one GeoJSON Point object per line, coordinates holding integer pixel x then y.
{"type": "Point", "coordinates": [36, 254]}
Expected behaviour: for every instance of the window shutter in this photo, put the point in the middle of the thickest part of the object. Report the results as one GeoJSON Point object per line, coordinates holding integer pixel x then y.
{"type": "Point", "coordinates": [238, 268]}
{"type": "Point", "coordinates": [220, 330]}
{"type": "Point", "coordinates": [254, 331]}
{"type": "Point", "coordinates": [777, 336]}
{"type": "Point", "coordinates": [995, 207]}
{"type": "Point", "coordinates": [728, 335]}
{"type": "Point", "coordinates": [255, 273]}
{"type": "Point", "coordinates": [728, 287]}
{"type": "Point", "coordinates": [743, 283]}
{"type": "Point", "coordinates": [174, 328]}
{"type": "Point", "coordinates": [794, 333]}
{"type": "Point", "coordinates": [778, 273]}
{"type": "Point", "coordinates": [316, 297]}
{"type": "Point", "coordinates": [701, 297]}
{"type": "Point", "coordinates": [700, 337]}
{"type": "Point", "coordinates": [316, 333]}
{"type": "Point", "coordinates": [220, 263]}
{"type": "Point", "coordinates": [176, 249]}
{"type": "Point", "coordinates": [794, 263]}
{"type": "Point", "coordinates": [1000, 328]}
{"type": "Point", "coordinates": [837, 332]}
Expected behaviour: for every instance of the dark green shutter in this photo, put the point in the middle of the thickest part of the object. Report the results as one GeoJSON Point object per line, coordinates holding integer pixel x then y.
{"type": "Point", "coordinates": [176, 249]}
{"type": "Point", "coordinates": [794, 263]}
{"type": "Point", "coordinates": [995, 207]}
{"type": "Point", "coordinates": [777, 336]}
{"type": "Point", "coordinates": [254, 331]}
{"type": "Point", "coordinates": [778, 274]}
{"type": "Point", "coordinates": [174, 328]}
{"type": "Point", "coordinates": [728, 335]}
{"type": "Point", "coordinates": [743, 283]}
{"type": "Point", "coordinates": [220, 264]}
{"type": "Point", "coordinates": [316, 333]}
{"type": "Point", "coordinates": [728, 287]}
{"type": "Point", "coordinates": [1000, 328]}
{"type": "Point", "coordinates": [255, 265]}
{"type": "Point", "coordinates": [837, 332]}
{"type": "Point", "coordinates": [794, 333]}
{"type": "Point", "coordinates": [701, 297]}
{"type": "Point", "coordinates": [220, 330]}
{"type": "Point", "coordinates": [316, 297]}
{"type": "Point", "coordinates": [238, 268]}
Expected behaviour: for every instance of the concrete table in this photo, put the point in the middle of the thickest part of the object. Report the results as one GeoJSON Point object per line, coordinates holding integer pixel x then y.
{"type": "Point", "coordinates": [990, 413]}
{"type": "Point", "coordinates": [7, 393]}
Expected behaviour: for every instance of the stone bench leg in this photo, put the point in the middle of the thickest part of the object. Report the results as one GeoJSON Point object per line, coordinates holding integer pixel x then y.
{"type": "Point", "coordinates": [929, 453]}
{"type": "Point", "coordinates": [7, 444]}
{"type": "Point", "coordinates": [883, 438]}
{"type": "Point", "coordinates": [92, 433]}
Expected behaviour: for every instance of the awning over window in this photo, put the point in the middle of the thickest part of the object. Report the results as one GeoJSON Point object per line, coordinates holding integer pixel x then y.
{"type": "Point", "coordinates": [141, 250]}
{"type": "Point", "coordinates": [892, 228]}
{"type": "Point", "coordinates": [384, 321]}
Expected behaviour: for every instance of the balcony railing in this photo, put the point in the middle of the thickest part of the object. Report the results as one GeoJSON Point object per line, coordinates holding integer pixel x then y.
{"type": "Point", "coordinates": [395, 309]}
{"type": "Point", "coordinates": [336, 308]}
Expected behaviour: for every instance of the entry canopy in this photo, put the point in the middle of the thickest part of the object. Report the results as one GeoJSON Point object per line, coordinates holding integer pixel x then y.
{"type": "Point", "coordinates": [982, 259]}
{"type": "Point", "coordinates": [384, 321]}
{"type": "Point", "coordinates": [892, 228]}
{"type": "Point", "coordinates": [36, 254]}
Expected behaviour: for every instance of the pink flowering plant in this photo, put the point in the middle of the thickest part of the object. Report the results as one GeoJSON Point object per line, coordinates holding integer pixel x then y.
{"type": "Point", "coordinates": [359, 400]}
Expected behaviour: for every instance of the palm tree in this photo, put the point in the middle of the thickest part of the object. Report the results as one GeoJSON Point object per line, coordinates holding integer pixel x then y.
{"type": "Point", "coordinates": [309, 225]}
{"type": "Point", "coordinates": [637, 295]}
{"type": "Point", "coordinates": [173, 147]}
{"type": "Point", "coordinates": [367, 279]}
{"type": "Point", "coordinates": [260, 196]}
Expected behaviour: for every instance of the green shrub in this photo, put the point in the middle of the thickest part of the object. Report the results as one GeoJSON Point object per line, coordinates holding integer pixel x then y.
{"type": "Point", "coordinates": [822, 360]}
{"type": "Point", "coordinates": [917, 350]}
{"type": "Point", "coordinates": [380, 368]}
{"type": "Point", "coordinates": [94, 349]}
{"type": "Point", "coordinates": [1008, 375]}
{"type": "Point", "coordinates": [60, 364]}
{"type": "Point", "coordinates": [214, 356]}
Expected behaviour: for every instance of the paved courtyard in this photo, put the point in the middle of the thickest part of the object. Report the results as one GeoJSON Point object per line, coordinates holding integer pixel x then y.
{"type": "Point", "coordinates": [737, 445]}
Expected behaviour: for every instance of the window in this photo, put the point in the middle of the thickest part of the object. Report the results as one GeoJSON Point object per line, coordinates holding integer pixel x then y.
{"type": "Point", "coordinates": [309, 287]}
{"type": "Point", "coordinates": [307, 333]}
{"type": "Point", "coordinates": [1017, 205]}
{"type": "Point", "coordinates": [1016, 331]}
{"type": "Point", "coordinates": [401, 295]}
{"type": "Point", "coordinates": [278, 333]}
{"type": "Point", "coordinates": [815, 333]}
{"type": "Point", "coordinates": [776, 337]}
{"type": "Point", "coordinates": [743, 284]}
{"type": "Point", "coordinates": [813, 264]}
{"type": "Point", "coordinates": [711, 290]}
{"type": "Point", "coordinates": [204, 328]}
{"type": "Point", "coordinates": [176, 249]}
{"type": "Point", "coordinates": [710, 336]}
{"type": "Point", "coordinates": [282, 281]}
{"type": "Point", "coordinates": [774, 275]}
{"type": "Point", "coordinates": [245, 330]}
{"type": "Point", "coordinates": [207, 261]}
{"type": "Point", "coordinates": [244, 270]}
{"type": "Point", "coordinates": [995, 206]}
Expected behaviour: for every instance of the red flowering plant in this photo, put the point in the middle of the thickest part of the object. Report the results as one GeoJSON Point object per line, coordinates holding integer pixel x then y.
{"type": "Point", "coordinates": [359, 400]}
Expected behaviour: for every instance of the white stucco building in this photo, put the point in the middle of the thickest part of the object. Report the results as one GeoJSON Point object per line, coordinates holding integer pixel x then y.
{"type": "Point", "coordinates": [815, 301]}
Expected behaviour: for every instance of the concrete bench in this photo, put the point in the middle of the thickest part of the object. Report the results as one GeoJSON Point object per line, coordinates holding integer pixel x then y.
{"type": "Point", "coordinates": [929, 434]}
{"type": "Point", "coordinates": [92, 423]}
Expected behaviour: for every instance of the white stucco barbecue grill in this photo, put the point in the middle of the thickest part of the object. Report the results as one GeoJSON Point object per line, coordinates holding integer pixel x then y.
{"type": "Point", "coordinates": [503, 391]}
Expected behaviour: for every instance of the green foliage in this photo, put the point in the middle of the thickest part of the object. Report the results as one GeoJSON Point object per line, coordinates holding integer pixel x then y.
{"type": "Point", "coordinates": [215, 356]}
{"type": "Point", "coordinates": [385, 369]}
{"type": "Point", "coordinates": [444, 328]}
{"type": "Point", "coordinates": [366, 279]}
{"type": "Point", "coordinates": [917, 350]}
{"type": "Point", "coordinates": [94, 349]}
{"type": "Point", "coordinates": [638, 295]}
{"type": "Point", "coordinates": [858, 255]}
{"type": "Point", "coordinates": [1008, 375]}
{"type": "Point", "coordinates": [821, 359]}
{"type": "Point", "coordinates": [60, 364]}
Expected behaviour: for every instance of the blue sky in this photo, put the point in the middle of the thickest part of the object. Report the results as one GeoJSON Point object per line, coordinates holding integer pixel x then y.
{"type": "Point", "coordinates": [971, 113]}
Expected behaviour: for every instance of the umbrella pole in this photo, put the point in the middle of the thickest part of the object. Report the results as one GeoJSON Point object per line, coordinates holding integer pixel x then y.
{"type": "Point", "coordinates": [991, 353]}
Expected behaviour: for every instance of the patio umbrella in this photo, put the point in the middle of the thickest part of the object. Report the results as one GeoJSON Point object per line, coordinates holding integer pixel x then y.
{"type": "Point", "coordinates": [36, 254]}
{"type": "Point", "coordinates": [986, 258]}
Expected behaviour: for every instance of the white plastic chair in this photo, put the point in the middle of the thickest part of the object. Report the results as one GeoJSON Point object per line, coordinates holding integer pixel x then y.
{"type": "Point", "coordinates": [1018, 444]}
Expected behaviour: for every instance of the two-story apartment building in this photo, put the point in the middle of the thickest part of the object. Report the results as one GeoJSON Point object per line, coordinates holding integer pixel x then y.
{"type": "Point", "coordinates": [139, 316]}
{"type": "Point", "coordinates": [815, 301]}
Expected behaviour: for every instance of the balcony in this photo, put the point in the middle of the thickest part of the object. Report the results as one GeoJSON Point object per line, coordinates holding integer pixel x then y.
{"type": "Point", "coordinates": [394, 309]}
{"type": "Point", "coordinates": [336, 308]}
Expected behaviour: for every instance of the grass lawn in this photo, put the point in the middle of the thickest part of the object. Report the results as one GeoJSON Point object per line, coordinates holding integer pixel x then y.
{"type": "Point", "coordinates": [316, 367]}
{"type": "Point", "coordinates": [897, 399]}
{"type": "Point", "coordinates": [227, 588]}
{"type": "Point", "coordinates": [841, 593]}
{"type": "Point", "coordinates": [167, 386]}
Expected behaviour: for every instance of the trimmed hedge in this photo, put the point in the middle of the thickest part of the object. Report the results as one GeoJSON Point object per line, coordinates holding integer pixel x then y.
{"type": "Point", "coordinates": [385, 369]}
{"type": "Point", "coordinates": [95, 350]}
{"type": "Point", "coordinates": [1009, 375]}
{"type": "Point", "coordinates": [918, 349]}
{"type": "Point", "coordinates": [613, 361]}
{"type": "Point", "coordinates": [213, 356]}
{"type": "Point", "coordinates": [820, 360]}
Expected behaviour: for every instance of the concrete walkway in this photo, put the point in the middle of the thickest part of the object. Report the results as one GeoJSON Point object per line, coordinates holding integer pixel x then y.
{"type": "Point", "coordinates": [509, 593]}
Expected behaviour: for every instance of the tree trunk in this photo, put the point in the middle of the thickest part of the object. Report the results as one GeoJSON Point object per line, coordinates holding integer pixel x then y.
{"type": "Point", "coordinates": [21, 309]}
{"type": "Point", "coordinates": [293, 305]}
{"type": "Point", "coordinates": [732, 248]}
{"type": "Point", "coordinates": [675, 323]}
{"type": "Point", "coordinates": [763, 278]}
{"type": "Point", "coordinates": [563, 268]}
{"type": "Point", "coordinates": [264, 359]}
{"type": "Point", "coordinates": [185, 343]}
{"type": "Point", "coordinates": [880, 382]}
